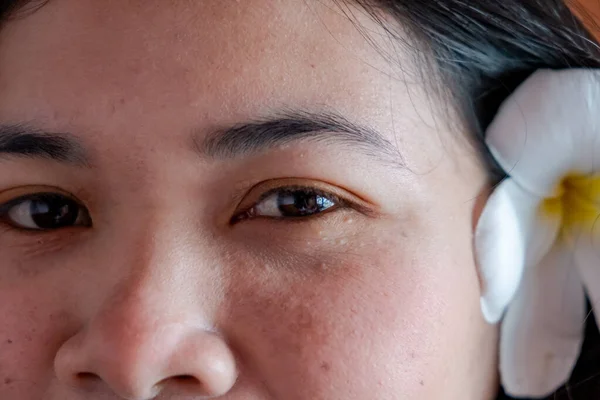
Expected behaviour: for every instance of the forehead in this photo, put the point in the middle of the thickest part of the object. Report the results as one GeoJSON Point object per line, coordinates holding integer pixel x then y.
{"type": "Point", "coordinates": [250, 53]}
{"type": "Point", "coordinates": [142, 74]}
{"type": "Point", "coordinates": [197, 46]}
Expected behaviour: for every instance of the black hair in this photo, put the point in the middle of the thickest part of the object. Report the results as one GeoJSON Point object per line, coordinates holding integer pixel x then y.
{"type": "Point", "coordinates": [481, 51]}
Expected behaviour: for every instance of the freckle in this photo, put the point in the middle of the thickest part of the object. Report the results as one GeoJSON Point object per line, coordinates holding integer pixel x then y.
{"type": "Point", "coordinates": [8, 381]}
{"type": "Point", "coordinates": [9, 341]}
{"type": "Point", "coordinates": [422, 383]}
{"type": "Point", "coordinates": [305, 320]}
{"type": "Point", "coordinates": [412, 355]}
{"type": "Point", "coordinates": [312, 66]}
{"type": "Point", "coordinates": [325, 366]}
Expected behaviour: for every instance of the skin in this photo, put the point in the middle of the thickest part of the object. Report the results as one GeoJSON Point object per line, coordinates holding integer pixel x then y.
{"type": "Point", "coordinates": [163, 295]}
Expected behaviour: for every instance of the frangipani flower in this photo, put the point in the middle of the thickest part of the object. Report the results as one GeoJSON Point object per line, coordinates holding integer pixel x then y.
{"type": "Point", "coordinates": [537, 242]}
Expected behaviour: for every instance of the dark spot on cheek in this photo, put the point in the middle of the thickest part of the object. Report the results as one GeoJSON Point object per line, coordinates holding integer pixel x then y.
{"type": "Point", "coordinates": [8, 381]}
{"type": "Point", "coordinates": [9, 341]}
{"type": "Point", "coordinates": [422, 383]}
{"type": "Point", "coordinates": [305, 320]}
{"type": "Point", "coordinates": [325, 366]}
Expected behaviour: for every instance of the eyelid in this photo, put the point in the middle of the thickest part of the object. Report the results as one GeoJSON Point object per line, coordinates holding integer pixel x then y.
{"type": "Point", "coordinates": [266, 188]}
{"type": "Point", "coordinates": [24, 191]}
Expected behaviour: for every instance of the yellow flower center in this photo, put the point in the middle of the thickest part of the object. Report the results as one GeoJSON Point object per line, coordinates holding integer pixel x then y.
{"type": "Point", "coordinates": [576, 203]}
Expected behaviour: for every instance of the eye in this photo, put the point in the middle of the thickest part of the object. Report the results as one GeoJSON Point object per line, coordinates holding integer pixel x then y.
{"type": "Point", "coordinates": [297, 199]}
{"type": "Point", "coordinates": [44, 211]}
{"type": "Point", "coordinates": [294, 203]}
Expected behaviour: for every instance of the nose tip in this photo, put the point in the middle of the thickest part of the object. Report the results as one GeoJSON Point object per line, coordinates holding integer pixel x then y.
{"type": "Point", "coordinates": [142, 366]}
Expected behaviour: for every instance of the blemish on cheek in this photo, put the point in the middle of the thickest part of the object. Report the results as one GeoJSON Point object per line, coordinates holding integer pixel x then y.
{"type": "Point", "coordinates": [8, 381]}
{"type": "Point", "coordinates": [304, 320]}
{"type": "Point", "coordinates": [9, 341]}
{"type": "Point", "coordinates": [323, 266]}
{"type": "Point", "coordinates": [325, 366]}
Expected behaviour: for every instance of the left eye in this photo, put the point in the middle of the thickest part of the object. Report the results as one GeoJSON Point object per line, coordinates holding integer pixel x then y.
{"type": "Point", "coordinates": [293, 203]}
{"type": "Point", "coordinates": [44, 211]}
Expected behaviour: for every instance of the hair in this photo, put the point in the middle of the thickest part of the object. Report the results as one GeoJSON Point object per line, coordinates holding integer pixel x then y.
{"type": "Point", "coordinates": [479, 51]}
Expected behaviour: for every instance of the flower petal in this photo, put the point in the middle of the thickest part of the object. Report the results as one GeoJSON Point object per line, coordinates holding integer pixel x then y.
{"type": "Point", "coordinates": [542, 332]}
{"type": "Point", "coordinates": [508, 234]}
{"type": "Point", "coordinates": [548, 129]}
{"type": "Point", "coordinates": [587, 258]}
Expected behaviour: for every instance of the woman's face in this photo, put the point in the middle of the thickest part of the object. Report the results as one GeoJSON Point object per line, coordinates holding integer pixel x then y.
{"type": "Point", "coordinates": [252, 199]}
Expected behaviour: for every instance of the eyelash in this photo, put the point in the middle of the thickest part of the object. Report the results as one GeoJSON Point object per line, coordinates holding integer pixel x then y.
{"type": "Point", "coordinates": [338, 204]}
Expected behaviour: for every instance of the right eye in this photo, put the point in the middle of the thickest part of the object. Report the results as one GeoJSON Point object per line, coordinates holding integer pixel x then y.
{"type": "Point", "coordinates": [44, 212]}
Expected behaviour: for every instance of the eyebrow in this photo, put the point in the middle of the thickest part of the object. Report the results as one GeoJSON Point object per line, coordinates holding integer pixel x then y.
{"type": "Point", "coordinates": [22, 140]}
{"type": "Point", "coordinates": [239, 140]}
{"type": "Point", "coordinates": [294, 126]}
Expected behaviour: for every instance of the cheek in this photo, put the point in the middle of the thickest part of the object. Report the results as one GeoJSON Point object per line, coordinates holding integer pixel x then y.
{"type": "Point", "coordinates": [28, 338]}
{"type": "Point", "coordinates": [371, 325]}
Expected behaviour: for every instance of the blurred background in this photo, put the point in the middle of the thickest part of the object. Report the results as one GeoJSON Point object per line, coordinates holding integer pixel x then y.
{"type": "Point", "coordinates": [589, 10]}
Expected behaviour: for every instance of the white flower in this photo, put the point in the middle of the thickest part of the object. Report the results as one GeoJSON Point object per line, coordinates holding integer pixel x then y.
{"type": "Point", "coordinates": [537, 243]}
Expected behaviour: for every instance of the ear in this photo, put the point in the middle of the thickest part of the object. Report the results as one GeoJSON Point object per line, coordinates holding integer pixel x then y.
{"type": "Point", "coordinates": [499, 247]}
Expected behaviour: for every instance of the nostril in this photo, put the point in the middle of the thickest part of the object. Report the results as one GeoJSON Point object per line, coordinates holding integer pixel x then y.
{"type": "Point", "coordinates": [86, 376]}
{"type": "Point", "coordinates": [186, 383]}
{"type": "Point", "coordinates": [186, 379]}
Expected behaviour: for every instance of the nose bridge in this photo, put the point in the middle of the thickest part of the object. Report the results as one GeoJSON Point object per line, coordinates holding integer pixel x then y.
{"type": "Point", "coordinates": [165, 273]}
{"type": "Point", "coordinates": [155, 317]}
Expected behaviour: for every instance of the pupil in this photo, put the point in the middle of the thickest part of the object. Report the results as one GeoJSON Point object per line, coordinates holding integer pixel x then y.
{"type": "Point", "coordinates": [52, 212]}
{"type": "Point", "coordinates": [301, 203]}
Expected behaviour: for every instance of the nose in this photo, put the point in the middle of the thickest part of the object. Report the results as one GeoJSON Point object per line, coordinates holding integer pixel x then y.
{"type": "Point", "coordinates": [149, 336]}
{"type": "Point", "coordinates": [138, 358]}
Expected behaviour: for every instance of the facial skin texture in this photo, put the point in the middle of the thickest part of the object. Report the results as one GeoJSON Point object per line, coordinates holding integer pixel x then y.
{"type": "Point", "coordinates": [164, 295]}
